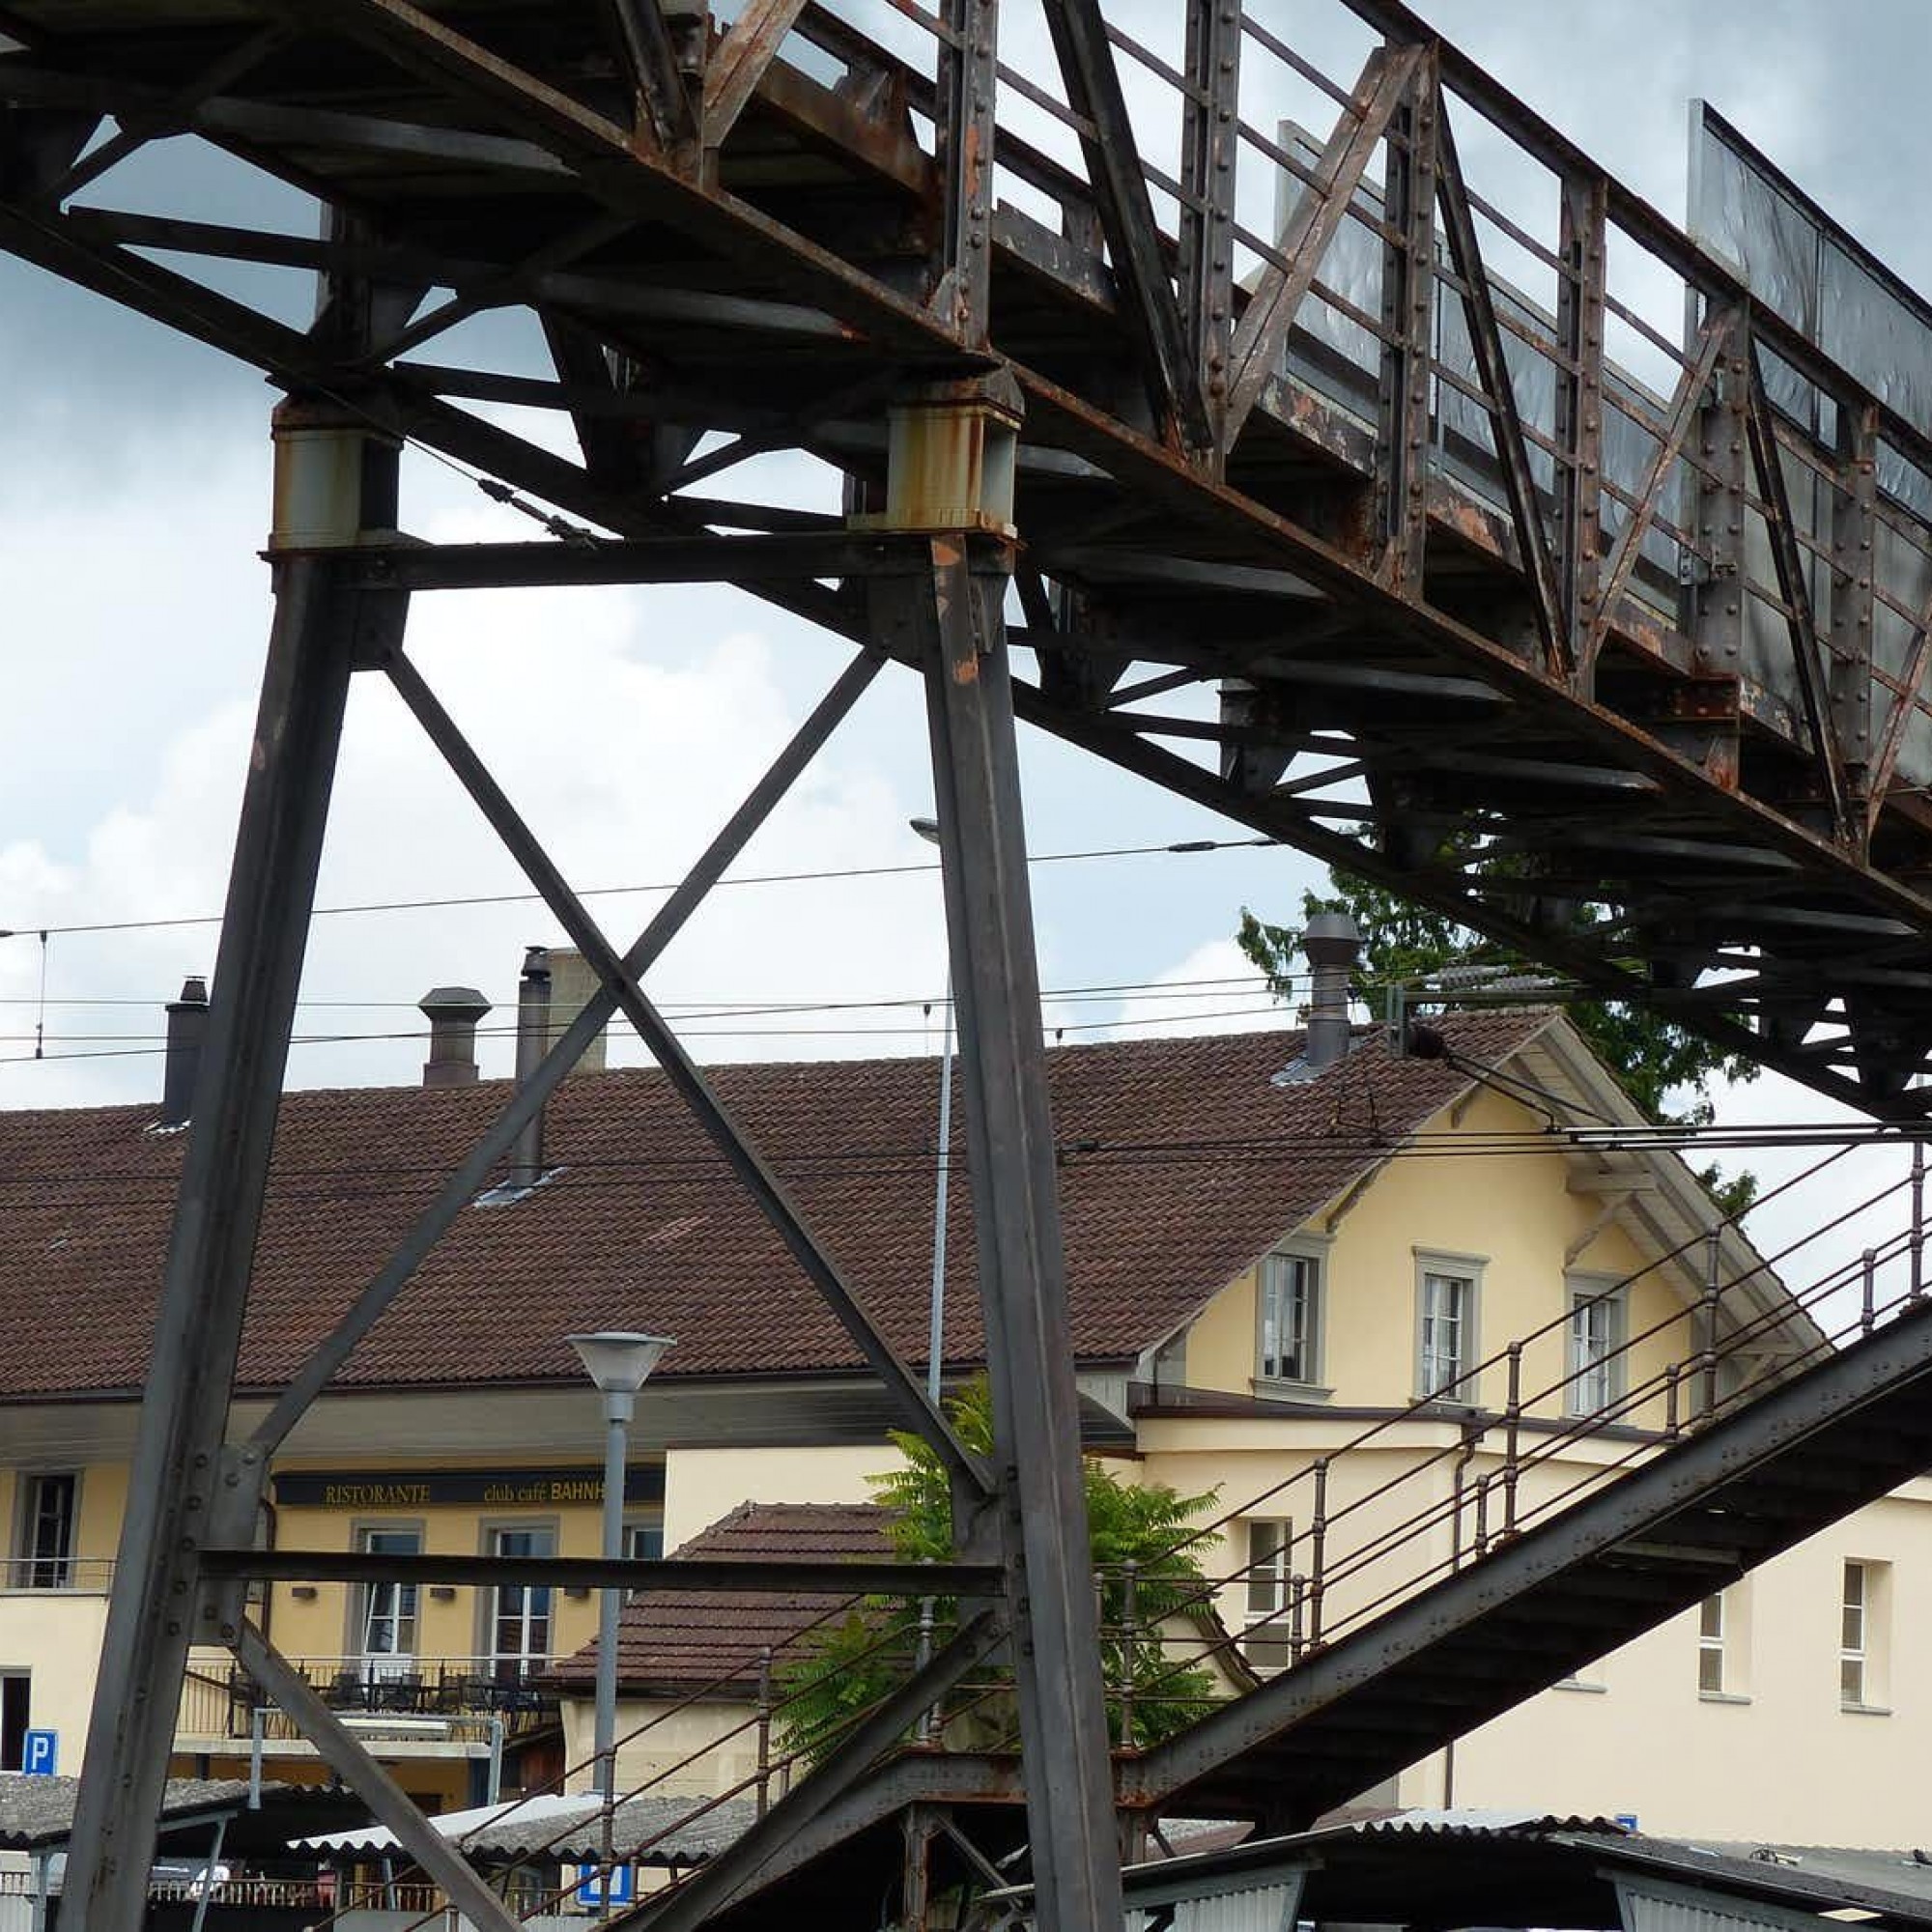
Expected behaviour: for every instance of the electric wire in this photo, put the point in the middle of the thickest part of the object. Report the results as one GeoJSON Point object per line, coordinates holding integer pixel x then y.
{"type": "Point", "coordinates": [1188, 847]}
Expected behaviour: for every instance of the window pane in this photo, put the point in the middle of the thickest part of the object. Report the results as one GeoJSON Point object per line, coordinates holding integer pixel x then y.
{"type": "Point", "coordinates": [1852, 1680]}
{"type": "Point", "coordinates": [1711, 1668]}
{"type": "Point", "coordinates": [1711, 1619]}
{"type": "Point", "coordinates": [1444, 1313]}
{"type": "Point", "coordinates": [49, 1532]}
{"type": "Point", "coordinates": [520, 1614]}
{"type": "Point", "coordinates": [1267, 1561]}
{"type": "Point", "coordinates": [1288, 1288]}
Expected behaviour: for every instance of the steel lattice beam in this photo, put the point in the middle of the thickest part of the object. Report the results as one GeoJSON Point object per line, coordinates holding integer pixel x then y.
{"type": "Point", "coordinates": [1439, 681]}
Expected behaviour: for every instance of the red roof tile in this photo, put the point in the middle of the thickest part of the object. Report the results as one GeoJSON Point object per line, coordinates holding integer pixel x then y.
{"type": "Point", "coordinates": [686, 1640]}
{"type": "Point", "coordinates": [1181, 1162]}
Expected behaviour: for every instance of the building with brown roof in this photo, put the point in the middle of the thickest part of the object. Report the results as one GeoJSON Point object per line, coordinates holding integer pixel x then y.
{"type": "Point", "coordinates": [1267, 1262]}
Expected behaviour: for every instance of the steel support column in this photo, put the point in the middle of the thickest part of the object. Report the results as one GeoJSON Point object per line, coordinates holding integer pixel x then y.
{"type": "Point", "coordinates": [1017, 1223]}
{"type": "Point", "coordinates": [156, 1611]}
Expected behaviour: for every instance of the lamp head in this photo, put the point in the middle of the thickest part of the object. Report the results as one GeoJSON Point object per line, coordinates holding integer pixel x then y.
{"type": "Point", "coordinates": [926, 828]}
{"type": "Point", "coordinates": [617, 1360]}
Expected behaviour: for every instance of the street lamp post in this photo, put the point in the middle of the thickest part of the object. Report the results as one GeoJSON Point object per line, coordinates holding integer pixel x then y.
{"type": "Point", "coordinates": [619, 1362]}
{"type": "Point", "coordinates": [928, 830]}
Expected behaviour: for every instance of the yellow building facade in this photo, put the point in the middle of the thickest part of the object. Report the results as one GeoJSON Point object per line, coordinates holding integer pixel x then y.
{"type": "Point", "coordinates": [1464, 1280]}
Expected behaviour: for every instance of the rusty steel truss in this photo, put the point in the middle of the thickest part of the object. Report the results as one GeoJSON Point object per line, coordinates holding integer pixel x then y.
{"type": "Point", "coordinates": [1606, 637]}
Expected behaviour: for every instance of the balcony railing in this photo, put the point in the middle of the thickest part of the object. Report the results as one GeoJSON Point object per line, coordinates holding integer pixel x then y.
{"type": "Point", "coordinates": [466, 1699]}
{"type": "Point", "coordinates": [75, 1575]}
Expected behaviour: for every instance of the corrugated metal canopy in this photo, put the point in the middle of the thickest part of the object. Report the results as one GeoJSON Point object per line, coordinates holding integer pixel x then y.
{"type": "Point", "coordinates": [645, 1830]}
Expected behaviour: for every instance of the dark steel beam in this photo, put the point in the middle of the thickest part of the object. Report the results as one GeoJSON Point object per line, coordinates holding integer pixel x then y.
{"type": "Point", "coordinates": [665, 120]}
{"type": "Point", "coordinates": [472, 1174]}
{"type": "Point", "coordinates": [1512, 450]}
{"type": "Point", "coordinates": [1210, 147]}
{"type": "Point", "coordinates": [153, 1610]}
{"type": "Point", "coordinates": [1580, 309]}
{"type": "Point", "coordinates": [965, 129]}
{"type": "Point", "coordinates": [668, 559]}
{"type": "Point", "coordinates": [1854, 531]}
{"type": "Point", "coordinates": [618, 446]}
{"type": "Point", "coordinates": [740, 60]}
{"type": "Point", "coordinates": [1113, 738]}
{"type": "Point", "coordinates": [1794, 586]}
{"type": "Point", "coordinates": [1144, 291]}
{"type": "Point", "coordinates": [1406, 372]}
{"type": "Point", "coordinates": [1714, 335]}
{"type": "Point", "coordinates": [1905, 707]}
{"type": "Point", "coordinates": [828, 1577]}
{"type": "Point", "coordinates": [1318, 215]}
{"type": "Point", "coordinates": [956, 625]}
{"type": "Point", "coordinates": [169, 115]}
{"type": "Point", "coordinates": [773, 1199]}
{"type": "Point", "coordinates": [438, 1855]}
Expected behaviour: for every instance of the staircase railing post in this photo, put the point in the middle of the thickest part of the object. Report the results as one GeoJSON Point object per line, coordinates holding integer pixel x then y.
{"type": "Point", "coordinates": [1318, 1548]}
{"type": "Point", "coordinates": [1298, 1594]}
{"type": "Point", "coordinates": [1708, 1339]}
{"type": "Point", "coordinates": [1917, 1292]}
{"type": "Point", "coordinates": [1482, 1538]}
{"type": "Point", "coordinates": [1868, 1279]}
{"type": "Point", "coordinates": [1511, 1435]}
{"type": "Point", "coordinates": [764, 1729]}
{"type": "Point", "coordinates": [1673, 1424]}
{"type": "Point", "coordinates": [1129, 1655]}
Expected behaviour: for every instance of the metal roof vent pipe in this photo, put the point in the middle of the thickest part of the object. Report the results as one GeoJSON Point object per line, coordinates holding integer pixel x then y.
{"type": "Point", "coordinates": [453, 1013]}
{"type": "Point", "coordinates": [187, 1027]}
{"type": "Point", "coordinates": [1333, 948]}
{"type": "Point", "coordinates": [532, 1038]}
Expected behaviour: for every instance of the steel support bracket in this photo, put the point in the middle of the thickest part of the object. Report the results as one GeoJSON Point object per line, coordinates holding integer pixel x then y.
{"type": "Point", "coordinates": [952, 458]}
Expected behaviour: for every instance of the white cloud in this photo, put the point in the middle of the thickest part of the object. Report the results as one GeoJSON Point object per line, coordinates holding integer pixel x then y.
{"type": "Point", "coordinates": [1214, 989]}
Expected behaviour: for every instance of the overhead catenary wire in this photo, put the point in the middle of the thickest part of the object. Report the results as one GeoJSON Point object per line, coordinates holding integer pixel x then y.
{"type": "Point", "coordinates": [1183, 847]}
{"type": "Point", "coordinates": [705, 1172]}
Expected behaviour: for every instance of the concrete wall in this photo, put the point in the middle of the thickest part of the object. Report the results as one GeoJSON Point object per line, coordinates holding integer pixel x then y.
{"type": "Point", "coordinates": [702, 1485]}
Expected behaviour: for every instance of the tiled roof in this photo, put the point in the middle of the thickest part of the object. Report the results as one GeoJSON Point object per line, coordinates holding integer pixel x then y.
{"type": "Point", "coordinates": [1181, 1162]}
{"type": "Point", "coordinates": [686, 1640]}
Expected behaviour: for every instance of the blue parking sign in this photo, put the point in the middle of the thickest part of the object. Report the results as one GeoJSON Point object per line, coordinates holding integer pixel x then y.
{"type": "Point", "coordinates": [590, 1890]}
{"type": "Point", "coordinates": [40, 1754]}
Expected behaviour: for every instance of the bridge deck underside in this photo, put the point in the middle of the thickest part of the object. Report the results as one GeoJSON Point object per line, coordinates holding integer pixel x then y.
{"type": "Point", "coordinates": [1576, 756]}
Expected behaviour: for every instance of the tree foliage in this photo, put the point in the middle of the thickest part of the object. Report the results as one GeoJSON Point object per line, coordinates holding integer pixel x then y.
{"type": "Point", "coordinates": [1666, 1069]}
{"type": "Point", "coordinates": [844, 1669]}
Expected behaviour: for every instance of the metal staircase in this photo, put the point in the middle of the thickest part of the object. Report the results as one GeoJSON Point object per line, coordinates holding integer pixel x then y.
{"type": "Point", "coordinates": [1595, 1576]}
{"type": "Point", "coordinates": [1757, 1478]}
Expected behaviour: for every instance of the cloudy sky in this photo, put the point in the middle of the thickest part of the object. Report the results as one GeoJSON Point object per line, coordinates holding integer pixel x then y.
{"type": "Point", "coordinates": [133, 491]}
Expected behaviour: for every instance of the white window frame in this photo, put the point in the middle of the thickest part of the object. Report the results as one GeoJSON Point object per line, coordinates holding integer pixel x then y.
{"type": "Point", "coordinates": [1606, 1376]}
{"type": "Point", "coordinates": [1267, 1551]}
{"type": "Point", "coordinates": [54, 1570]}
{"type": "Point", "coordinates": [389, 1602]}
{"type": "Point", "coordinates": [1862, 1647]}
{"type": "Point", "coordinates": [1312, 1258]}
{"type": "Point", "coordinates": [1712, 1631]}
{"type": "Point", "coordinates": [538, 1604]}
{"type": "Point", "coordinates": [1463, 1389]}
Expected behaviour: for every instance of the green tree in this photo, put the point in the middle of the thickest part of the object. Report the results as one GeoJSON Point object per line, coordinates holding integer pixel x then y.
{"type": "Point", "coordinates": [844, 1669]}
{"type": "Point", "coordinates": [1659, 1062]}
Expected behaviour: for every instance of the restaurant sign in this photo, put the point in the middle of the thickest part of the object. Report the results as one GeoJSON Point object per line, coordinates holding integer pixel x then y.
{"type": "Point", "coordinates": [492, 1489]}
